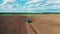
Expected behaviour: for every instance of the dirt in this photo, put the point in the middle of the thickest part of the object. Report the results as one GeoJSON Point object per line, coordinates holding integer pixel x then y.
{"type": "Point", "coordinates": [12, 25]}
{"type": "Point", "coordinates": [46, 23]}
{"type": "Point", "coordinates": [41, 24]}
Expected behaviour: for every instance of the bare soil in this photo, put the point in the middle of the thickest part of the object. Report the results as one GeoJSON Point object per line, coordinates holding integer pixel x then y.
{"type": "Point", "coordinates": [12, 25]}
{"type": "Point", "coordinates": [46, 23]}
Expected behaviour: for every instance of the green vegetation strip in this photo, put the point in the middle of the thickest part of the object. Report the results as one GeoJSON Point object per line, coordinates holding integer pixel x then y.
{"type": "Point", "coordinates": [15, 14]}
{"type": "Point", "coordinates": [20, 15]}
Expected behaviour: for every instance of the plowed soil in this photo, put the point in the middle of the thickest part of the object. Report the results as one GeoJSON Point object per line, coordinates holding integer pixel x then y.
{"type": "Point", "coordinates": [12, 25]}
{"type": "Point", "coordinates": [41, 24]}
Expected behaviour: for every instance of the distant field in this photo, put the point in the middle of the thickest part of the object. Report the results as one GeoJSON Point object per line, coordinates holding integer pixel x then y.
{"type": "Point", "coordinates": [22, 14]}
{"type": "Point", "coordinates": [46, 23]}
{"type": "Point", "coordinates": [15, 14]}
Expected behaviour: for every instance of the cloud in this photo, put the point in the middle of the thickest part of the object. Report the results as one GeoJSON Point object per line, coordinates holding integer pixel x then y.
{"type": "Point", "coordinates": [6, 1]}
{"type": "Point", "coordinates": [30, 5]}
{"type": "Point", "coordinates": [7, 6]}
{"type": "Point", "coordinates": [34, 1]}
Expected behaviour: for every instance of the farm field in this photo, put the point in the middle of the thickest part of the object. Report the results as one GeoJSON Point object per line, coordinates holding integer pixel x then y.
{"type": "Point", "coordinates": [45, 23]}
{"type": "Point", "coordinates": [41, 24]}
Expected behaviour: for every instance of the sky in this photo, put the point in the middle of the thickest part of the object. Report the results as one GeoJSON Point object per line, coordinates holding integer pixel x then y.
{"type": "Point", "coordinates": [29, 6]}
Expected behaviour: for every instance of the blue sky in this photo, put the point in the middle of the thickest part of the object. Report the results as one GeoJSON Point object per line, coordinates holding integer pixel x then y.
{"type": "Point", "coordinates": [29, 6]}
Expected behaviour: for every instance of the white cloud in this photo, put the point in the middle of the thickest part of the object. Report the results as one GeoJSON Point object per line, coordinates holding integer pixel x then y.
{"type": "Point", "coordinates": [51, 2]}
{"type": "Point", "coordinates": [6, 1]}
{"type": "Point", "coordinates": [40, 6]}
{"type": "Point", "coordinates": [31, 5]}
{"type": "Point", "coordinates": [56, 6]}
{"type": "Point", "coordinates": [6, 6]}
{"type": "Point", "coordinates": [34, 1]}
